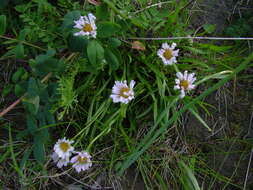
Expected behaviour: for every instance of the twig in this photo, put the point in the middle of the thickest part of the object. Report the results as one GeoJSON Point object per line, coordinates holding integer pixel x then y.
{"type": "Point", "coordinates": [5, 111]}
{"type": "Point", "coordinates": [189, 37]}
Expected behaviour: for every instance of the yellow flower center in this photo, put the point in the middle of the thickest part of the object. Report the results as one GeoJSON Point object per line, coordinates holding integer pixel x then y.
{"type": "Point", "coordinates": [87, 28]}
{"type": "Point", "coordinates": [82, 159]}
{"type": "Point", "coordinates": [184, 84]}
{"type": "Point", "coordinates": [64, 146]}
{"type": "Point", "coordinates": [123, 91]}
{"type": "Point", "coordinates": [168, 54]}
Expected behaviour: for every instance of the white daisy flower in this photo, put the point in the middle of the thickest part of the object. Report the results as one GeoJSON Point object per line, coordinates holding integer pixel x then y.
{"type": "Point", "coordinates": [63, 148]}
{"type": "Point", "coordinates": [82, 161]}
{"type": "Point", "coordinates": [167, 54]}
{"type": "Point", "coordinates": [184, 82]}
{"type": "Point", "coordinates": [121, 92]}
{"type": "Point", "coordinates": [87, 26]}
{"type": "Point", "coordinates": [60, 162]}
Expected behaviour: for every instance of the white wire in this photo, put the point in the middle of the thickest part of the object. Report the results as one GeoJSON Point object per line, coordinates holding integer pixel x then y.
{"type": "Point", "coordinates": [189, 37]}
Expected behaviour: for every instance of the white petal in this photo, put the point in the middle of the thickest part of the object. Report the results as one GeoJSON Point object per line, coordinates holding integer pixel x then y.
{"type": "Point", "coordinates": [177, 81]}
{"type": "Point", "coordinates": [175, 53]}
{"type": "Point", "coordinates": [179, 75]}
{"type": "Point", "coordinates": [176, 87]}
{"type": "Point", "coordinates": [165, 46]}
{"type": "Point", "coordinates": [182, 94]}
{"type": "Point", "coordinates": [132, 83]}
{"type": "Point", "coordinates": [185, 75]}
{"type": "Point", "coordinates": [173, 45]}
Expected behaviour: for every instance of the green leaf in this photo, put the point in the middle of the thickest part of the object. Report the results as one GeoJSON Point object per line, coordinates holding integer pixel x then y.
{"type": "Point", "coordinates": [46, 63]}
{"type": "Point", "coordinates": [102, 12]}
{"type": "Point", "coordinates": [32, 104]}
{"type": "Point", "coordinates": [199, 118]}
{"type": "Point", "coordinates": [2, 24]}
{"type": "Point", "coordinates": [114, 42]}
{"type": "Point", "coordinates": [19, 89]}
{"type": "Point", "coordinates": [39, 149]}
{"type": "Point", "coordinates": [18, 51]}
{"type": "Point", "coordinates": [77, 43]}
{"type": "Point", "coordinates": [32, 100]}
{"type": "Point", "coordinates": [111, 59]}
{"type": "Point", "coordinates": [31, 124]}
{"type": "Point", "coordinates": [25, 158]}
{"type": "Point", "coordinates": [188, 179]}
{"type": "Point", "coordinates": [69, 18]}
{"type": "Point", "coordinates": [209, 28]}
{"type": "Point", "coordinates": [7, 89]}
{"type": "Point", "coordinates": [33, 88]}
{"type": "Point", "coordinates": [95, 53]}
{"type": "Point", "coordinates": [17, 75]}
{"type": "Point", "coordinates": [23, 33]}
{"type": "Point", "coordinates": [107, 29]}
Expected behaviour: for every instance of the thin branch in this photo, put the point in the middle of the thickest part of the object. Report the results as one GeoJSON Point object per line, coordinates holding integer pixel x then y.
{"type": "Point", "coordinates": [189, 37]}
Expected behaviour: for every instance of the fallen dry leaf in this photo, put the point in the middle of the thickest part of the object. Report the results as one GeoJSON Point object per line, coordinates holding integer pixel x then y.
{"type": "Point", "coordinates": [138, 45]}
{"type": "Point", "coordinates": [94, 2]}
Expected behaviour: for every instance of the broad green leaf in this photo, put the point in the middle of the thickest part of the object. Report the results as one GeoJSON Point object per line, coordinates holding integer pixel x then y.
{"type": "Point", "coordinates": [41, 116]}
{"type": "Point", "coordinates": [77, 43]}
{"type": "Point", "coordinates": [2, 24]}
{"type": "Point", "coordinates": [114, 42]}
{"type": "Point", "coordinates": [102, 12]}
{"type": "Point", "coordinates": [107, 29]}
{"type": "Point", "coordinates": [69, 18]}
{"type": "Point", "coordinates": [95, 53]}
{"type": "Point", "coordinates": [111, 59]}
{"type": "Point", "coordinates": [31, 124]}
{"type": "Point", "coordinates": [38, 149]}
{"type": "Point", "coordinates": [33, 88]}
{"type": "Point", "coordinates": [19, 51]}
{"type": "Point", "coordinates": [32, 104]}
{"type": "Point", "coordinates": [45, 63]}
{"type": "Point", "coordinates": [17, 75]}
{"type": "Point", "coordinates": [20, 89]}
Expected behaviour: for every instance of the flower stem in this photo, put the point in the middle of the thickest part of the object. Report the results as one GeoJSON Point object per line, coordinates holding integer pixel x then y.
{"type": "Point", "coordinates": [175, 67]}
